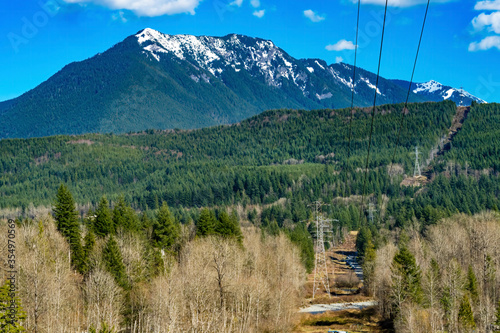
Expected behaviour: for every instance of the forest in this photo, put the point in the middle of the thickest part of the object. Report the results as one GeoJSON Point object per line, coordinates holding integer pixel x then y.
{"type": "Point", "coordinates": [211, 230]}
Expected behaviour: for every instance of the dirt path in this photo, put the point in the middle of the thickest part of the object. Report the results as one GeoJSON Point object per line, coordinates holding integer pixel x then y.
{"type": "Point", "coordinates": [456, 126]}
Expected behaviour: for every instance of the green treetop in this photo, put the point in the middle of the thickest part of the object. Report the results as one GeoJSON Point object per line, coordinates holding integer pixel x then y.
{"type": "Point", "coordinates": [165, 229]}
{"type": "Point", "coordinates": [103, 223]}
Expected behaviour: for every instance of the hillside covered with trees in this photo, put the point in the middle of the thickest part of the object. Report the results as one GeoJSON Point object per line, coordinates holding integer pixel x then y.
{"type": "Point", "coordinates": [212, 228]}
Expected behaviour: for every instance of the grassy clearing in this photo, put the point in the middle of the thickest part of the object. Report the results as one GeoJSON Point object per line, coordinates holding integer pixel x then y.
{"type": "Point", "coordinates": [352, 321]}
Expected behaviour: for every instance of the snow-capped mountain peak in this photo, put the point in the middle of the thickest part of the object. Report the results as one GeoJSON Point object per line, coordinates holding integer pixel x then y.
{"type": "Point", "coordinates": [218, 54]}
{"type": "Point", "coordinates": [440, 91]}
{"type": "Point", "coordinates": [429, 87]}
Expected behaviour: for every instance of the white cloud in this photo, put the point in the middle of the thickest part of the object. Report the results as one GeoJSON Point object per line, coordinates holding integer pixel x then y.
{"type": "Point", "coordinates": [399, 3]}
{"type": "Point", "coordinates": [255, 3]}
{"type": "Point", "coordinates": [339, 59]}
{"type": "Point", "coordinates": [341, 45]}
{"type": "Point", "coordinates": [486, 44]}
{"type": "Point", "coordinates": [259, 13]}
{"type": "Point", "coordinates": [313, 16]}
{"type": "Point", "coordinates": [487, 21]}
{"type": "Point", "coordinates": [488, 5]}
{"type": "Point", "coordinates": [147, 7]}
{"type": "Point", "coordinates": [236, 3]}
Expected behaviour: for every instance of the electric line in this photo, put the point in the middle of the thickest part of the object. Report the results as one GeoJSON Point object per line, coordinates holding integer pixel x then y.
{"type": "Point", "coordinates": [409, 88]}
{"type": "Point", "coordinates": [352, 97]}
{"type": "Point", "coordinates": [373, 111]}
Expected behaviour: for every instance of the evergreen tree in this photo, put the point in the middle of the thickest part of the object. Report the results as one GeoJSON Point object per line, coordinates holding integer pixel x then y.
{"type": "Point", "coordinates": [65, 213]}
{"type": "Point", "coordinates": [369, 265]}
{"type": "Point", "coordinates": [302, 238]}
{"type": "Point", "coordinates": [404, 265]}
{"type": "Point", "coordinates": [228, 226]}
{"type": "Point", "coordinates": [145, 221]}
{"type": "Point", "coordinates": [7, 325]}
{"type": "Point", "coordinates": [465, 315]}
{"type": "Point", "coordinates": [471, 285]}
{"type": "Point", "coordinates": [165, 229]}
{"type": "Point", "coordinates": [113, 261]}
{"type": "Point", "coordinates": [206, 223]}
{"type": "Point", "coordinates": [362, 240]}
{"type": "Point", "coordinates": [103, 223]}
{"type": "Point", "coordinates": [235, 227]}
{"type": "Point", "coordinates": [124, 216]}
{"type": "Point", "coordinates": [67, 223]}
{"type": "Point", "coordinates": [89, 243]}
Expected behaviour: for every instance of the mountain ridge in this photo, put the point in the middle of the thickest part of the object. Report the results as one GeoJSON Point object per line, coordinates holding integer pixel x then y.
{"type": "Point", "coordinates": [155, 80]}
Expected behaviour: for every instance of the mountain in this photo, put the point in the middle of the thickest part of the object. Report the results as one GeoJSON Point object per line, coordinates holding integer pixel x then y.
{"type": "Point", "coordinates": [436, 92]}
{"type": "Point", "coordinates": [154, 80]}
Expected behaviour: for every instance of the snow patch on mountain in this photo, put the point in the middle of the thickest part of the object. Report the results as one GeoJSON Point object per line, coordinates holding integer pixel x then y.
{"type": "Point", "coordinates": [370, 85]}
{"type": "Point", "coordinates": [217, 54]}
{"type": "Point", "coordinates": [317, 63]}
{"type": "Point", "coordinates": [324, 96]}
{"type": "Point", "coordinates": [429, 87]}
{"type": "Point", "coordinates": [339, 78]}
{"type": "Point", "coordinates": [436, 88]}
{"type": "Point", "coordinates": [449, 93]}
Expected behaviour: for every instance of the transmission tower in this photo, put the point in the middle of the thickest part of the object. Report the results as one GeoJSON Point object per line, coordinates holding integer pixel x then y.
{"type": "Point", "coordinates": [320, 265]}
{"type": "Point", "coordinates": [371, 210]}
{"type": "Point", "coordinates": [417, 171]}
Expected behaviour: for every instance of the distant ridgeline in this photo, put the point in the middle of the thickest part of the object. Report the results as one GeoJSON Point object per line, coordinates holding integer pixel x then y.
{"type": "Point", "coordinates": [300, 155]}
{"type": "Point", "coordinates": [154, 80]}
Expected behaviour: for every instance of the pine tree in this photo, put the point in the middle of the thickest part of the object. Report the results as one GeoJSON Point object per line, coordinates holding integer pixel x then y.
{"type": "Point", "coordinates": [206, 223]}
{"type": "Point", "coordinates": [145, 221]}
{"type": "Point", "coordinates": [302, 238]}
{"type": "Point", "coordinates": [223, 226]}
{"type": "Point", "coordinates": [124, 216]}
{"type": "Point", "coordinates": [369, 265]}
{"type": "Point", "coordinates": [465, 315]}
{"type": "Point", "coordinates": [235, 227]}
{"type": "Point", "coordinates": [67, 223]}
{"type": "Point", "coordinates": [362, 240]}
{"type": "Point", "coordinates": [112, 257]}
{"type": "Point", "coordinates": [471, 285]}
{"type": "Point", "coordinates": [103, 223]}
{"type": "Point", "coordinates": [7, 305]}
{"type": "Point", "coordinates": [64, 212]}
{"type": "Point", "coordinates": [404, 265]}
{"type": "Point", "coordinates": [165, 229]}
{"type": "Point", "coordinates": [89, 241]}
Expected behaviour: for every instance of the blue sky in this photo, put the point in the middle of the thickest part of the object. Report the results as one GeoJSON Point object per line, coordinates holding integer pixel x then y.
{"type": "Point", "coordinates": [461, 45]}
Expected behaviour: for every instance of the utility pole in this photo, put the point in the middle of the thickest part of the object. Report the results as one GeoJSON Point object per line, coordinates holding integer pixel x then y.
{"type": "Point", "coordinates": [320, 265]}
{"type": "Point", "coordinates": [371, 210]}
{"type": "Point", "coordinates": [417, 171]}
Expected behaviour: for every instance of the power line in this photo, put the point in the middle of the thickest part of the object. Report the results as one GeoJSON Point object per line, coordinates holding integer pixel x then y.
{"type": "Point", "coordinates": [352, 97]}
{"type": "Point", "coordinates": [373, 111]}
{"type": "Point", "coordinates": [409, 88]}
